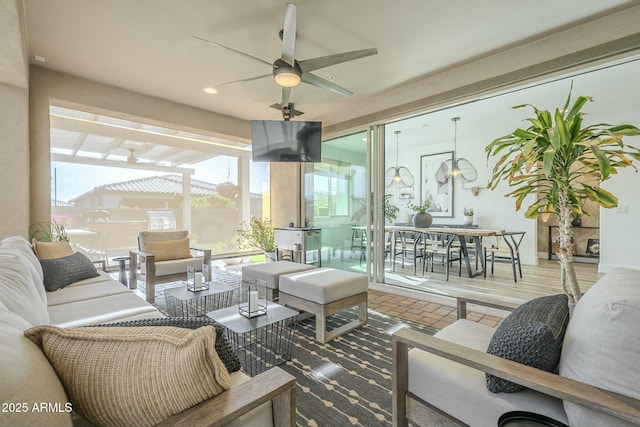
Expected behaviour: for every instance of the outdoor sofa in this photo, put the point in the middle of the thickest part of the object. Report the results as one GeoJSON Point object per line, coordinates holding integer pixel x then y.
{"type": "Point", "coordinates": [32, 394]}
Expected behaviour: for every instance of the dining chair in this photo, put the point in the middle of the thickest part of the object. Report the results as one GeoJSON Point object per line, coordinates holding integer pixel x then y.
{"type": "Point", "coordinates": [435, 244]}
{"type": "Point", "coordinates": [408, 244]}
{"type": "Point", "coordinates": [506, 249]}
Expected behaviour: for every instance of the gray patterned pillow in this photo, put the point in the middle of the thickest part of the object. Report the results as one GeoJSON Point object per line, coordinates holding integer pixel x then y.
{"type": "Point", "coordinates": [531, 335]}
{"type": "Point", "coordinates": [222, 346]}
{"type": "Point", "coordinates": [61, 272]}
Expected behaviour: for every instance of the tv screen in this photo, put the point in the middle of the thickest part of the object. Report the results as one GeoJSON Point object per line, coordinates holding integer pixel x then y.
{"type": "Point", "coordinates": [286, 141]}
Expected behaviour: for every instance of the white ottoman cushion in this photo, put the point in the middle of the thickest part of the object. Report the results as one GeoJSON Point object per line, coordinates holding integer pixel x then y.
{"type": "Point", "coordinates": [270, 272]}
{"type": "Point", "coordinates": [324, 285]}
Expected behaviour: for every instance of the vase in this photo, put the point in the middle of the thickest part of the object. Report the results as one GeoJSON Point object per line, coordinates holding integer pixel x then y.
{"type": "Point", "coordinates": [422, 220]}
{"type": "Point", "coordinates": [468, 219]}
{"type": "Point", "coordinates": [270, 257]}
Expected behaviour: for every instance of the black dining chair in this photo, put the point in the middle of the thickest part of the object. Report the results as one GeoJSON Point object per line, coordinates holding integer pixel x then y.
{"type": "Point", "coordinates": [506, 249]}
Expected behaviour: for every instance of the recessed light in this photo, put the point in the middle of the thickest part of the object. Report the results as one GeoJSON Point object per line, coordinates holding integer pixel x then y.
{"type": "Point", "coordinates": [39, 58]}
{"type": "Point", "coordinates": [210, 91]}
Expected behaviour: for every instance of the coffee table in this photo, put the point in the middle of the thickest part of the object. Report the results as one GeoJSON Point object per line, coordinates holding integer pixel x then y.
{"type": "Point", "coordinates": [182, 302]}
{"type": "Point", "coordinates": [260, 342]}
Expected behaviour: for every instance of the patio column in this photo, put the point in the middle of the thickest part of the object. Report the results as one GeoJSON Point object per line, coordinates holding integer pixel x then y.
{"type": "Point", "coordinates": [244, 189]}
{"type": "Point", "coordinates": [186, 202]}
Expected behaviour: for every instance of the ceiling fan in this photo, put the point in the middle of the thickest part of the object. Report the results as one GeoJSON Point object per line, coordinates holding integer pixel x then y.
{"type": "Point", "coordinates": [289, 72]}
{"type": "Point", "coordinates": [132, 159]}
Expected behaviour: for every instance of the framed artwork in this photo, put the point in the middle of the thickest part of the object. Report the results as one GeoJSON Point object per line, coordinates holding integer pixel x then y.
{"type": "Point", "coordinates": [436, 183]}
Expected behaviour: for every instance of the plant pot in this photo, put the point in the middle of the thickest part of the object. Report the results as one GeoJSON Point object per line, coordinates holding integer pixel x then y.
{"type": "Point", "coordinates": [468, 220]}
{"type": "Point", "coordinates": [422, 220]}
{"type": "Point", "coordinates": [270, 257]}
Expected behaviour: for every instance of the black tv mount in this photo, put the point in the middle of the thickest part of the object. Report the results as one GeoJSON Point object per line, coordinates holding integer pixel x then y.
{"type": "Point", "coordinates": [288, 111]}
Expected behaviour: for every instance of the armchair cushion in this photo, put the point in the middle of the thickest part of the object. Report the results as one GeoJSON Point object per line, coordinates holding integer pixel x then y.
{"type": "Point", "coordinates": [169, 249]}
{"type": "Point", "coordinates": [61, 272]}
{"type": "Point", "coordinates": [49, 250]}
{"type": "Point", "coordinates": [531, 335]}
{"type": "Point", "coordinates": [133, 376]}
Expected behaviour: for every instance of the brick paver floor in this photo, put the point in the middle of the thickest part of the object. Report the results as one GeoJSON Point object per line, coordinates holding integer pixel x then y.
{"type": "Point", "coordinates": [426, 312]}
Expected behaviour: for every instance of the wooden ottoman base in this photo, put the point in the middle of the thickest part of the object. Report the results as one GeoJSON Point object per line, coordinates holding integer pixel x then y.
{"type": "Point", "coordinates": [322, 311]}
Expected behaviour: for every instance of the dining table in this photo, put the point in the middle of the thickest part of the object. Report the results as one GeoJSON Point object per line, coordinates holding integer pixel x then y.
{"type": "Point", "coordinates": [451, 234]}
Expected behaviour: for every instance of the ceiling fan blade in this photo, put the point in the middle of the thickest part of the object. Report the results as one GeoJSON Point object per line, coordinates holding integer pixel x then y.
{"type": "Point", "coordinates": [244, 80]}
{"type": "Point", "coordinates": [314, 80]}
{"type": "Point", "coordinates": [246, 55]}
{"type": "Point", "coordinates": [325, 61]}
{"type": "Point", "coordinates": [289, 35]}
{"type": "Point", "coordinates": [286, 95]}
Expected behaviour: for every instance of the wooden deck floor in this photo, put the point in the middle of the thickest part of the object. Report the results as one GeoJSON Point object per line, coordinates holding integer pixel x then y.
{"type": "Point", "coordinates": [543, 279]}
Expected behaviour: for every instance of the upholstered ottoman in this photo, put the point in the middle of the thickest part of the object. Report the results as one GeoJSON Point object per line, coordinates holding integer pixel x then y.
{"type": "Point", "coordinates": [270, 272]}
{"type": "Point", "coordinates": [323, 292]}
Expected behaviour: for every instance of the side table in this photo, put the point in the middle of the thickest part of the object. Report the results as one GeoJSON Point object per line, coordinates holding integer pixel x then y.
{"type": "Point", "coordinates": [182, 302]}
{"type": "Point", "coordinates": [122, 269]}
{"type": "Point", "coordinates": [260, 342]}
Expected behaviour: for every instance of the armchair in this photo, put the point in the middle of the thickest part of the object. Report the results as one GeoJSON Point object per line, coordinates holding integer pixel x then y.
{"type": "Point", "coordinates": [442, 377]}
{"type": "Point", "coordinates": [164, 257]}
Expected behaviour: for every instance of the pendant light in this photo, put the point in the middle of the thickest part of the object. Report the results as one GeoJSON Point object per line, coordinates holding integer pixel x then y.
{"type": "Point", "coordinates": [398, 176]}
{"type": "Point", "coordinates": [458, 167]}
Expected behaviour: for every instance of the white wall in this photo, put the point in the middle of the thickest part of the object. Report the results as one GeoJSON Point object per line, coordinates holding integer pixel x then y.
{"type": "Point", "coordinates": [14, 161]}
{"type": "Point", "coordinates": [14, 123]}
{"type": "Point", "coordinates": [620, 231]}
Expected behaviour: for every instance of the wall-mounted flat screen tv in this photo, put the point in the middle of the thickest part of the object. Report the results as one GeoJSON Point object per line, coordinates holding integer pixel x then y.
{"type": "Point", "coordinates": [286, 141]}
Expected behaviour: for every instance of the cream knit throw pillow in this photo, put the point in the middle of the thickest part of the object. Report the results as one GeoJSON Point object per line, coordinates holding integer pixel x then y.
{"type": "Point", "coordinates": [166, 250]}
{"type": "Point", "coordinates": [136, 376]}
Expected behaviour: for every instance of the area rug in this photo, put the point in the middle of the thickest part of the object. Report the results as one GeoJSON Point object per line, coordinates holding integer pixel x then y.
{"type": "Point", "coordinates": [346, 382]}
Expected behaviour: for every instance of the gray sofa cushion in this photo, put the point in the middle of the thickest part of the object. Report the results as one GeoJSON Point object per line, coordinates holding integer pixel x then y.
{"type": "Point", "coordinates": [222, 346]}
{"type": "Point", "coordinates": [531, 335]}
{"type": "Point", "coordinates": [60, 272]}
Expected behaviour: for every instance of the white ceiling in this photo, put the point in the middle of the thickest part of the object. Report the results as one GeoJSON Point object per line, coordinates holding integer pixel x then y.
{"type": "Point", "coordinates": [147, 45]}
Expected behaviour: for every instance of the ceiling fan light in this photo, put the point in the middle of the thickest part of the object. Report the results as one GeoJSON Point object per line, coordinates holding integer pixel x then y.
{"type": "Point", "coordinates": [286, 77]}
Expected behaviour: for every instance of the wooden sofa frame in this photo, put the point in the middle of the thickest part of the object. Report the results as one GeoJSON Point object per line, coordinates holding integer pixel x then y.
{"type": "Point", "coordinates": [274, 385]}
{"type": "Point", "coordinates": [407, 406]}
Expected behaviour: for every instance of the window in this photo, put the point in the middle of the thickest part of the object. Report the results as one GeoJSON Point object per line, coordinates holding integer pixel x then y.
{"type": "Point", "coordinates": [113, 178]}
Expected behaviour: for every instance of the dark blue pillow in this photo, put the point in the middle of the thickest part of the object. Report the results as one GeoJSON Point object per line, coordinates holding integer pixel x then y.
{"type": "Point", "coordinates": [61, 272]}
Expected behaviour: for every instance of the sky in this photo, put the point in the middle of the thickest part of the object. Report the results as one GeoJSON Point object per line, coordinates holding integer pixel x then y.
{"type": "Point", "coordinates": [70, 180]}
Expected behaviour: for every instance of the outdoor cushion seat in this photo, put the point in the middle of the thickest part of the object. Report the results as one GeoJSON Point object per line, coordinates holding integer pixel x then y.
{"type": "Point", "coordinates": [326, 291]}
{"type": "Point", "coordinates": [270, 273]}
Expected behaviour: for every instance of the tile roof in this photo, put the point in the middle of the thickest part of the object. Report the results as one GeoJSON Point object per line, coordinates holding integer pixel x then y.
{"type": "Point", "coordinates": [164, 184]}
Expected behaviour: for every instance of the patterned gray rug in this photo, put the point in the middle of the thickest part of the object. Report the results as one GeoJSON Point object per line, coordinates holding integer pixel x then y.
{"type": "Point", "coordinates": [346, 382]}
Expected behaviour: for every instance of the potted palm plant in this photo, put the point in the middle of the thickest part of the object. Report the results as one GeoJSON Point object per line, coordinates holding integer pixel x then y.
{"type": "Point", "coordinates": [258, 234]}
{"type": "Point", "coordinates": [558, 160]}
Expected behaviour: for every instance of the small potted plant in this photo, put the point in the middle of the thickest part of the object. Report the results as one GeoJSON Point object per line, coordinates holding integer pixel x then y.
{"type": "Point", "coordinates": [422, 217]}
{"type": "Point", "coordinates": [468, 216]}
{"type": "Point", "coordinates": [48, 231]}
{"type": "Point", "coordinates": [258, 234]}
